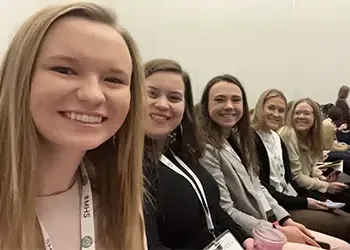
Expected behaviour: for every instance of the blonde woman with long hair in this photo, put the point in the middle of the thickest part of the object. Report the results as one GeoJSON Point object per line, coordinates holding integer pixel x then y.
{"type": "Point", "coordinates": [71, 141]}
{"type": "Point", "coordinates": [303, 138]}
{"type": "Point", "coordinates": [276, 176]}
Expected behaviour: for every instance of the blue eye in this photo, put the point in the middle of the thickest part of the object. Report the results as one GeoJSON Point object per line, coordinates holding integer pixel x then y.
{"type": "Point", "coordinates": [64, 70]}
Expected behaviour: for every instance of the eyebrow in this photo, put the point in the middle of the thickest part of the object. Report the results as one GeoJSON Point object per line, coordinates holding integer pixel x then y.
{"type": "Point", "coordinates": [224, 96]}
{"type": "Point", "coordinates": [172, 91]}
{"type": "Point", "coordinates": [72, 59]}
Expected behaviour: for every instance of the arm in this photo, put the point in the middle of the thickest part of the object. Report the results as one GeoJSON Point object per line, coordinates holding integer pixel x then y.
{"type": "Point", "coordinates": [150, 213]}
{"type": "Point", "coordinates": [290, 140]}
{"type": "Point", "coordinates": [278, 211]}
{"type": "Point", "coordinates": [224, 222]}
{"type": "Point", "coordinates": [286, 201]}
{"type": "Point", "coordinates": [210, 161]}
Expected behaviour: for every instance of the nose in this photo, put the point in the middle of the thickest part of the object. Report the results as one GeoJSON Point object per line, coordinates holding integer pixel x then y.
{"type": "Point", "coordinates": [161, 103]}
{"type": "Point", "coordinates": [228, 105]}
{"type": "Point", "coordinates": [91, 92]}
{"type": "Point", "coordinates": [276, 113]}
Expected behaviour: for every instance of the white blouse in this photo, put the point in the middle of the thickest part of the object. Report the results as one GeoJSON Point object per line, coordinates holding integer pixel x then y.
{"type": "Point", "coordinates": [272, 143]}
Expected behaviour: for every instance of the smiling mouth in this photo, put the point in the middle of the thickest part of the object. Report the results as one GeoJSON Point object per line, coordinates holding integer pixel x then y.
{"type": "Point", "coordinates": [159, 117]}
{"type": "Point", "coordinates": [83, 118]}
{"type": "Point", "coordinates": [227, 115]}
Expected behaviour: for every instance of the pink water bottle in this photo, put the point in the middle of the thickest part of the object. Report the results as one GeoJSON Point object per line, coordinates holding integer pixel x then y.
{"type": "Point", "coordinates": [268, 238]}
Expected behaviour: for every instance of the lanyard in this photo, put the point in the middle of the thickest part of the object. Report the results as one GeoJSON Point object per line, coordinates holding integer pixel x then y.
{"type": "Point", "coordinates": [87, 224]}
{"type": "Point", "coordinates": [197, 187]}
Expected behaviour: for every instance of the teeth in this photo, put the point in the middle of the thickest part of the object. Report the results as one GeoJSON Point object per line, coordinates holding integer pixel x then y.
{"type": "Point", "coordinates": [228, 115]}
{"type": "Point", "coordinates": [83, 117]}
{"type": "Point", "coordinates": [159, 117]}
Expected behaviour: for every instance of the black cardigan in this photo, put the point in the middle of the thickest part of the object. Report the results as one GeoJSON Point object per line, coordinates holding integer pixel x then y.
{"type": "Point", "coordinates": [286, 201]}
{"type": "Point", "coordinates": [174, 217]}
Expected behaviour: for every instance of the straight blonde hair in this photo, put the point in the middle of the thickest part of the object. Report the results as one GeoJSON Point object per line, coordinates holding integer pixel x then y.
{"type": "Point", "coordinates": [313, 141]}
{"type": "Point", "coordinates": [117, 166]}
{"type": "Point", "coordinates": [258, 119]}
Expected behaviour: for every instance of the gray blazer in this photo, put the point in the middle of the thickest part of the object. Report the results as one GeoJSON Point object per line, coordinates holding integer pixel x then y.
{"type": "Point", "coordinates": [239, 190]}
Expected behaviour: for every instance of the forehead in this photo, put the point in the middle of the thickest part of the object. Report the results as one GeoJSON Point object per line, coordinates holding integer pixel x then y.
{"type": "Point", "coordinates": [303, 106]}
{"type": "Point", "coordinates": [89, 42]}
{"type": "Point", "coordinates": [167, 81]}
{"type": "Point", "coordinates": [225, 89]}
{"type": "Point", "coordinates": [277, 100]}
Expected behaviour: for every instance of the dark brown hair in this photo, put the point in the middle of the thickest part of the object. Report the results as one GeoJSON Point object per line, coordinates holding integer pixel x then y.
{"type": "Point", "coordinates": [343, 92]}
{"type": "Point", "coordinates": [241, 135]}
{"type": "Point", "coordinates": [184, 139]}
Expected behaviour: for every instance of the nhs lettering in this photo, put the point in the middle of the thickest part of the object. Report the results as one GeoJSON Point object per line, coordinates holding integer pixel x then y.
{"type": "Point", "coordinates": [86, 206]}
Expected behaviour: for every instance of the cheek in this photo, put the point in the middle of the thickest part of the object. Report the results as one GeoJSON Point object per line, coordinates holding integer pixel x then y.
{"type": "Point", "coordinates": [121, 105]}
{"type": "Point", "coordinates": [179, 110]}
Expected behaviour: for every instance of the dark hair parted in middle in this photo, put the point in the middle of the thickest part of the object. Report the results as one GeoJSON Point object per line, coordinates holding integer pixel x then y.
{"type": "Point", "coordinates": [241, 136]}
{"type": "Point", "coordinates": [184, 139]}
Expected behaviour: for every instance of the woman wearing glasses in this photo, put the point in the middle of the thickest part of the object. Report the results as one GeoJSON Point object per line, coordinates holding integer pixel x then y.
{"type": "Point", "coordinates": [302, 135]}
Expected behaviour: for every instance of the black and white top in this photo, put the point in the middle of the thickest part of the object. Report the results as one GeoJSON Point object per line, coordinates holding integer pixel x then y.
{"type": "Point", "coordinates": [272, 143]}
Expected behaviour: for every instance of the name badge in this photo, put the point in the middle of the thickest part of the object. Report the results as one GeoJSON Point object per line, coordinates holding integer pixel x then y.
{"type": "Point", "coordinates": [226, 241]}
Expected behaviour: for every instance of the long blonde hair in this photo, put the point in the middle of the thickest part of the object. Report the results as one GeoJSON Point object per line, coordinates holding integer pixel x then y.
{"type": "Point", "coordinates": [117, 166]}
{"type": "Point", "coordinates": [258, 119]}
{"type": "Point", "coordinates": [313, 142]}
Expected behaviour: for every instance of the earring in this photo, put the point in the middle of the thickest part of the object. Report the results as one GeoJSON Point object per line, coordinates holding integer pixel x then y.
{"type": "Point", "coordinates": [113, 139]}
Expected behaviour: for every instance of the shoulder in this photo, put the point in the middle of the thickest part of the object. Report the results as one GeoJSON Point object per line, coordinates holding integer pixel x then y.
{"type": "Point", "coordinates": [327, 123]}
{"type": "Point", "coordinates": [287, 133]}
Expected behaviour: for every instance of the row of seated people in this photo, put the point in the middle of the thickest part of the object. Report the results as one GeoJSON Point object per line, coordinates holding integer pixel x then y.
{"type": "Point", "coordinates": [213, 167]}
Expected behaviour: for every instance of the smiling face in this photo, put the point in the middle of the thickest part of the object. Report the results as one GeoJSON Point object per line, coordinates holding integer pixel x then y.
{"type": "Point", "coordinates": [166, 103]}
{"type": "Point", "coordinates": [80, 92]}
{"type": "Point", "coordinates": [225, 104]}
{"type": "Point", "coordinates": [303, 117]}
{"type": "Point", "coordinates": [273, 113]}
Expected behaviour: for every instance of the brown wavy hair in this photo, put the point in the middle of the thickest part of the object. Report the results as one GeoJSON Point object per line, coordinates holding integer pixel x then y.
{"type": "Point", "coordinates": [241, 136]}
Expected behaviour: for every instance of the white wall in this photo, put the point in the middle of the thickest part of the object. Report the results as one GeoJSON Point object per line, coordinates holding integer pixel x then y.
{"type": "Point", "coordinates": [14, 12]}
{"type": "Point", "coordinates": [300, 46]}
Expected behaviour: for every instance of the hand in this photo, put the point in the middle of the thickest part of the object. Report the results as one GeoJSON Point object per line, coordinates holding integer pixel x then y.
{"type": "Point", "coordinates": [248, 244]}
{"type": "Point", "coordinates": [325, 155]}
{"type": "Point", "coordinates": [316, 205]}
{"type": "Point", "coordinates": [343, 127]}
{"type": "Point", "coordinates": [301, 227]}
{"type": "Point", "coordinates": [336, 187]}
{"type": "Point", "coordinates": [293, 234]}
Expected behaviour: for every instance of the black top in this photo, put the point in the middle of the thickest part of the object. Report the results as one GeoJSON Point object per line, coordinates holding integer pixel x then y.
{"type": "Point", "coordinates": [286, 201]}
{"type": "Point", "coordinates": [174, 216]}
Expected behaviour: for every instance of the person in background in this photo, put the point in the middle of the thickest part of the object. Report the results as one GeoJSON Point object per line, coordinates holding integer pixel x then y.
{"type": "Point", "coordinates": [342, 129]}
{"type": "Point", "coordinates": [334, 150]}
{"type": "Point", "coordinates": [276, 176]}
{"type": "Point", "coordinates": [303, 138]}
{"type": "Point", "coordinates": [229, 157]}
{"type": "Point", "coordinates": [72, 142]}
{"type": "Point", "coordinates": [342, 102]}
{"type": "Point", "coordinates": [175, 216]}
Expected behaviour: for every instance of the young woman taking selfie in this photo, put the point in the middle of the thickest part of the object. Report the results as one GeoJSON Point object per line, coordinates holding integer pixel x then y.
{"type": "Point", "coordinates": [71, 145]}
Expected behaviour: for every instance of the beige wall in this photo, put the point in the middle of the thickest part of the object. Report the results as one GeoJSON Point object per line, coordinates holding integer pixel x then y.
{"type": "Point", "coordinates": [14, 12]}
{"type": "Point", "coordinates": [299, 46]}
